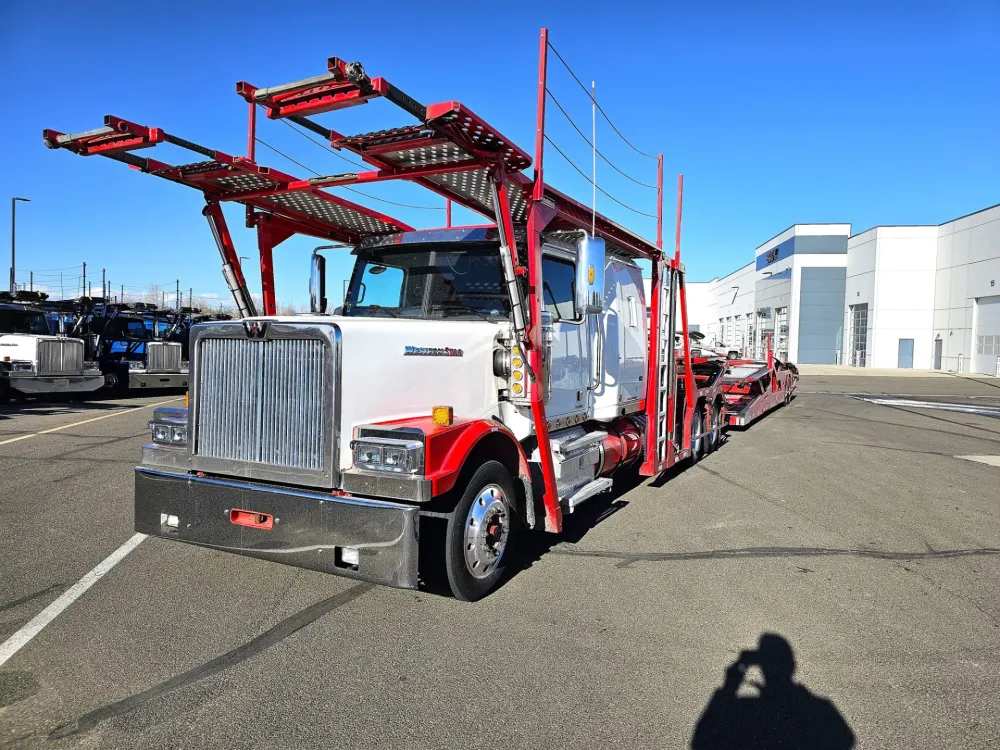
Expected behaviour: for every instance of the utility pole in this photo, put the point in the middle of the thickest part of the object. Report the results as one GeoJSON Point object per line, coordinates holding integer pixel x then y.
{"type": "Point", "coordinates": [122, 298]}
{"type": "Point", "coordinates": [191, 297]}
{"type": "Point", "coordinates": [163, 303]}
{"type": "Point", "coordinates": [178, 297]}
{"type": "Point", "coordinates": [13, 239]}
{"type": "Point", "coordinates": [104, 285]}
{"type": "Point", "coordinates": [90, 289]}
{"type": "Point", "coordinates": [32, 282]}
{"type": "Point", "coordinates": [83, 286]}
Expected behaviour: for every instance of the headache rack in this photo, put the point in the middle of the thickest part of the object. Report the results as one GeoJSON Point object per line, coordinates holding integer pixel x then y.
{"type": "Point", "coordinates": [449, 150]}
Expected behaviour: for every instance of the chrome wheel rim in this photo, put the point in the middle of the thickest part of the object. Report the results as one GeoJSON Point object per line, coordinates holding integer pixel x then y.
{"type": "Point", "coordinates": [716, 426]}
{"type": "Point", "coordinates": [487, 527]}
{"type": "Point", "coordinates": [697, 434]}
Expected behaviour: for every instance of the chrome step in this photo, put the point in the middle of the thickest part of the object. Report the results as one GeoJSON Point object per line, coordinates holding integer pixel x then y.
{"type": "Point", "coordinates": [584, 441]}
{"type": "Point", "coordinates": [596, 487]}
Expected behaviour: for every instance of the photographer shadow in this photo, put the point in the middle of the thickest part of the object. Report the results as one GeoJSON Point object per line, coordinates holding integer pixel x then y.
{"type": "Point", "coordinates": [785, 714]}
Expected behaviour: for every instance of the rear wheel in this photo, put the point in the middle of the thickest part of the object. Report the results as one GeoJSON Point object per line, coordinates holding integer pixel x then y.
{"type": "Point", "coordinates": [732, 355]}
{"type": "Point", "coordinates": [698, 437]}
{"type": "Point", "coordinates": [481, 533]}
{"type": "Point", "coordinates": [714, 429]}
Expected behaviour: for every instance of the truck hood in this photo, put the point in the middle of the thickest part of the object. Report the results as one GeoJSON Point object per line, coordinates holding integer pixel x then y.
{"type": "Point", "coordinates": [23, 346]}
{"type": "Point", "coordinates": [396, 368]}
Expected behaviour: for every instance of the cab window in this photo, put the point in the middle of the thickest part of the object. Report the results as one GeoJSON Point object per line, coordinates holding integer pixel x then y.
{"type": "Point", "coordinates": [558, 286]}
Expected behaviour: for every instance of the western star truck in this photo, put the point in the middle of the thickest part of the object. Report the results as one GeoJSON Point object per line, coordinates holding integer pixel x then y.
{"type": "Point", "coordinates": [475, 383]}
{"type": "Point", "coordinates": [34, 363]}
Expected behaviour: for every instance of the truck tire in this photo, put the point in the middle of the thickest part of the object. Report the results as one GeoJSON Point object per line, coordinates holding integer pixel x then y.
{"type": "Point", "coordinates": [697, 426]}
{"type": "Point", "coordinates": [481, 533]}
{"type": "Point", "coordinates": [732, 355]}
{"type": "Point", "coordinates": [714, 429]}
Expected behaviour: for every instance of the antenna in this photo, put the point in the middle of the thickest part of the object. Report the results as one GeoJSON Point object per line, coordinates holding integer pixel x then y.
{"type": "Point", "coordinates": [593, 156]}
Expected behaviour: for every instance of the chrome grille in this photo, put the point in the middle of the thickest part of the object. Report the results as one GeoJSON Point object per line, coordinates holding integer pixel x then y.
{"type": "Point", "coordinates": [262, 401]}
{"type": "Point", "coordinates": [61, 356]}
{"type": "Point", "coordinates": [163, 356]}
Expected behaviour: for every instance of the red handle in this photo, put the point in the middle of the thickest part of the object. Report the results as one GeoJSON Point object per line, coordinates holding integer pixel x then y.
{"type": "Point", "coordinates": [251, 518]}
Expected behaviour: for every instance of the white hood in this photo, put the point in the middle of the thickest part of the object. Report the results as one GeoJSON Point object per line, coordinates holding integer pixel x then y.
{"type": "Point", "coordinates": [22, 346]}
{"type": "Point", "coordinates": [380, 381]}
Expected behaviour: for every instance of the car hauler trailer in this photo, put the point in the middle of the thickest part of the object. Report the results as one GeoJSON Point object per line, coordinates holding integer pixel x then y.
{"type": "Point", "coordinates": [489, 379]}
{"type": "Point", "coordinates": [34, 363]}
{"type": "Point", "coordinates": [753, 388]}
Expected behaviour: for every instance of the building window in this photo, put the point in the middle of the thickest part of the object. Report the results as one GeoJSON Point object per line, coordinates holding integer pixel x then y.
{"type": "Point", "coordinates": [858, 340]}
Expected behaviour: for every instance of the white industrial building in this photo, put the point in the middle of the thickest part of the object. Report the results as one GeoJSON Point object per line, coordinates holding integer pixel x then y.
{"type": "Point", "coordinates": [924, 297]}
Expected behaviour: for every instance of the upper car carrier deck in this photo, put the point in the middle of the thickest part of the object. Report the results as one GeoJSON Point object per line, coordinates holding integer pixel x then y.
{"type": "Point", "coordinates": [453, 152]}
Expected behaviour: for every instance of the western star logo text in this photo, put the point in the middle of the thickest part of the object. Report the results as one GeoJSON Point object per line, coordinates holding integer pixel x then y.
{"type": "Point", "coordinates": [432, 351]}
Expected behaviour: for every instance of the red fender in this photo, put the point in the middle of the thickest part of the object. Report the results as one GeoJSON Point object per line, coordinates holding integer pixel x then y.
{"type": "Point", "coordinates": [447, 448]}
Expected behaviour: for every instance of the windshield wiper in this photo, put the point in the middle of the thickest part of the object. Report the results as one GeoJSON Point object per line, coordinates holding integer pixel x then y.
{"type": "Point", "coordinates": [455, 304]}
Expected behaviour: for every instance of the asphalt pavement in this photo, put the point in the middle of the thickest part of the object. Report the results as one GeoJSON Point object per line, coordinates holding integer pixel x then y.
{"type": "Point", "coordinates": [847, 528]}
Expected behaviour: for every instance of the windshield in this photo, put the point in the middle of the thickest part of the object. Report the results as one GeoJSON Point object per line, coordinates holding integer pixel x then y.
{"type": "Point", "coordinates": [132, 329]}
{"type": "Point", "coordinates": [429, 281]}
{"type": "Point", "coordinates": [23, 321]}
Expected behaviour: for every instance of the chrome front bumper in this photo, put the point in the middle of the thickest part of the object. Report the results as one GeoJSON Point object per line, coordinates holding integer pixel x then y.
{"type": "Point", "coordinates": [157, 379]}
{"type": "Point", "coordinates": [308, 529]}
{"type": "Point", "coordinates": [35, 385]}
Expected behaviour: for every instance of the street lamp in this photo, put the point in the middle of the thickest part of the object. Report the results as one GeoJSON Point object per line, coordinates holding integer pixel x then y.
{"type": "Point", "coordinates": [13, 237]}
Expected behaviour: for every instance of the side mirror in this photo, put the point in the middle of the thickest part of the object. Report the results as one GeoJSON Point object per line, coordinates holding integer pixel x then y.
{"type": "Point", "coordinates": [590, 276]}
{"type": "Point", "coordinates": [317, 284]}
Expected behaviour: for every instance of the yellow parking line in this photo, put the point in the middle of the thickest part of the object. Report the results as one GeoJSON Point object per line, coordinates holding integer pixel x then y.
{"type": "Point", "coordinates": [87, 421]}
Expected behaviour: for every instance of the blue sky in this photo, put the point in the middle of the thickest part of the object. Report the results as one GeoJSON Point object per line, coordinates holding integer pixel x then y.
{"type": "Point", "coordinates": [777, 113]}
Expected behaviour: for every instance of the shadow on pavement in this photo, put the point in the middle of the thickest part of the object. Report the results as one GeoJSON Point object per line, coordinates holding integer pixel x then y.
{"type": "Point", "coordinates": [783, 714]}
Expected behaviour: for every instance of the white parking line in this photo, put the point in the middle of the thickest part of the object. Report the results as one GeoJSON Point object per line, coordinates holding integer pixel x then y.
{"type": "Point", "coordinates": [21, 638]}
{"type": "Point", "coordinates": [87, 421]}
{"type": "Point", "coordinates": [988, 460]}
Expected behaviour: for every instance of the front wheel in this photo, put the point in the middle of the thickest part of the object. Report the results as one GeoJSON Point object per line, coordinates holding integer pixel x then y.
{"type": "Point", "coordinates": [481, 533]}
{"type": "Point", "coordinates": [732, 355]}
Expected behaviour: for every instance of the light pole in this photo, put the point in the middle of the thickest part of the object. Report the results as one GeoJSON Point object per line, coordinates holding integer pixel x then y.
{"type": "Point", "coordinates": [13, 238]}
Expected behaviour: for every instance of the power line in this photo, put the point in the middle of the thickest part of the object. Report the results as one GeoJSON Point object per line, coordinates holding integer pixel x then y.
{"type": "Point", "coordinates": [358, 192]}
{"type": "Point", "coordinates": [588, 179]}
{"type": "Point", "coordinates": [323, 145]}
{"type": "Point", "coordinates": [587, 140]}
{"type": "Point", "coordinates": [599, 107]}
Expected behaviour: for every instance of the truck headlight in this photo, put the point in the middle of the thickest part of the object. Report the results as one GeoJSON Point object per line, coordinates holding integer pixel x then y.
{"type": "Point", "coordinates": [169, 426]}
{"type": "Point", "coordinates": [21, 365]}
{"type": "Point", "coordinates": [136, 364]}
{"type": "Point", "coordinates": [385, 454]}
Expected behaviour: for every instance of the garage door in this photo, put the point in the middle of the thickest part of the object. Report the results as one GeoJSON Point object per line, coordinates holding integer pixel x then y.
{"type": "Point", "coordinates": [987, 334]}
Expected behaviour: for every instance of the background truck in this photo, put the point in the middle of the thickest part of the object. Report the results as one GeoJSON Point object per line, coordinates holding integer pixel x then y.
{"type": "Point", "coordinates": [477, 382]}
{"type": "Point", "coordinates": [136, 346]}
{"type": "Point", "coordinates": [34, 363]}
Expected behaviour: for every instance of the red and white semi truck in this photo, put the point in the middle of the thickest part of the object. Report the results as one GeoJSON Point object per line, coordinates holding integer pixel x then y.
{"type": "Point", "coordinates": [486, 379]}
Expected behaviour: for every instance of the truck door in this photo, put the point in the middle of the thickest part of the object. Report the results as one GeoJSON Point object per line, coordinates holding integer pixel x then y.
{"type": "Point", "coordinates": [570, 352]}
